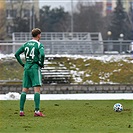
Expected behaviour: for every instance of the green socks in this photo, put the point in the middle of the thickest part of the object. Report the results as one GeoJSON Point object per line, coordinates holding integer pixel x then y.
{"type": "Point", "coordinates": [22, 101]}
{"type": "Point", "coordinates": [37, 101]}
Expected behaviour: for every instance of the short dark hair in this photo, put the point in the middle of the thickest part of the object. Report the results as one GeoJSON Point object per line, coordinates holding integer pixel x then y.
{"type": "Point", "coordinates": [35, 32]}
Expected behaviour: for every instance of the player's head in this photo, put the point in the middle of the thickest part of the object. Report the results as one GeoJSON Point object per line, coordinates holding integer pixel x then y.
{"type": "Point", "coordinates": [36, 33]}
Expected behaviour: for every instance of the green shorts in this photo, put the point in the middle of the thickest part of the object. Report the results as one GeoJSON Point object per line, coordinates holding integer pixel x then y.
{"type": "Point", "coordinates": [32, 77]}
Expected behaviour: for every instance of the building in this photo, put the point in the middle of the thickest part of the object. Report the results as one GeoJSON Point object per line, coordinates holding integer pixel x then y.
{"type": "Point", "coordinates": [26, 9]}
{"type": "Point", "coordinates": [109, 5]}
{"type": "Point", "coordinates": [127, 4]}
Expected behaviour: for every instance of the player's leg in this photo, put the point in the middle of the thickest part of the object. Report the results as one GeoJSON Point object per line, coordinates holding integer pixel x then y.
{"type": "Point", "coordinates": [37, 102]}
{"type": "Point", "coordinates": [37, 82]}
{"type": "Point", "coordinates": [22, 100]}
{"type": "Point", "coordinates": [37, 98]}
{"type": "Point", "coordinates": [26, 86]}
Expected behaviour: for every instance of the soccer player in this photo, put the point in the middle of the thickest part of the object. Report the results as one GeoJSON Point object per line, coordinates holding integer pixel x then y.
{"type": "Point", "coordinates": [34, 61]}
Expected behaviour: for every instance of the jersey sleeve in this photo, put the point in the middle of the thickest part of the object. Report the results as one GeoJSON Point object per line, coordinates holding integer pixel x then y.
{"type": "Point", "coordinates": [42, 54]}
{"type": "Point", "coordinates": [17, 55]}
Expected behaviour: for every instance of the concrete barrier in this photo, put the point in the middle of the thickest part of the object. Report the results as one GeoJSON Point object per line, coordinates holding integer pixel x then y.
{"type": "Point", "coordinates": [72, 89]}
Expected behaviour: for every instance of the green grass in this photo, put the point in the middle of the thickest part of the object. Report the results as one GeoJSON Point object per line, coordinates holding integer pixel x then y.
{"type": "Point", "coordinates": [67, 117]}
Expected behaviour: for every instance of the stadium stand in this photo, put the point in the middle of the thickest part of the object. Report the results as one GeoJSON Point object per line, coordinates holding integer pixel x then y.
{"type": "Point", "coordinates": [76, 43]}
{"type": "Point", "coordinates": [54, 74]}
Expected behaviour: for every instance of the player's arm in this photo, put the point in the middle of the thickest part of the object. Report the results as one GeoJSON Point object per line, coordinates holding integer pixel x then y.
{"type": "Point", "coordinates": [42, 55]}
{"type": "Point", "coordinates": [17, 55]}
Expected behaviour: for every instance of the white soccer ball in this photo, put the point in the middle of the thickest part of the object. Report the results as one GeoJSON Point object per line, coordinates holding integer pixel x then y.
{"type": "Point", "coordinates": [118, 107]}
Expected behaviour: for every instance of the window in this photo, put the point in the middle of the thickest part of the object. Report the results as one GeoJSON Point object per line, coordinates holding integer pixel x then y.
{"type": "Point", "coordinates": [28, 0]}
{"type": "Point", "coordinates": [18, 0]}
{"type": "Point", "coordinates": [11, 0]}
{"type": "Point", "coordinates": [26, 13]}
{"type": "Point", "coordinates": [11, 13]}
{"type": "Point", "coordinates": [9, 29]}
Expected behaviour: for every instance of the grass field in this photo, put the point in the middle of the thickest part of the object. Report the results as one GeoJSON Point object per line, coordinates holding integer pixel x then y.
{"type": "Point", "coordinates": [67, 117]}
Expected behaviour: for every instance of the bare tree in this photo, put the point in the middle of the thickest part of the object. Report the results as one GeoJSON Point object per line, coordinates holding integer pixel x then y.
{"type": "Point", "coordinates": [54, 20]}
{"type": "Point", "coordinates": [21, 16]}
{"type": "Point", "coordinates": [2, 20]}
{"type": "Point", "coordinates": [87, 18]}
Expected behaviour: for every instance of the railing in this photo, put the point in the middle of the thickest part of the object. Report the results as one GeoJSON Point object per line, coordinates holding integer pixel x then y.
{"type": "Point", "coordinates": [75, 47]}
{"type": "Point", "coordinates": [59, 36]}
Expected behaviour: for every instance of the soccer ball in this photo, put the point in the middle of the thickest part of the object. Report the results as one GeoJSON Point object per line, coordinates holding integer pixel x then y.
{"type": "Point", "coordinates": [118, 107]}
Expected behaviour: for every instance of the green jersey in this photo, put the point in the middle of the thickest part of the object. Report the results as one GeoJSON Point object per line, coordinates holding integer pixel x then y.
{"type": "Point", "coordinates": [34, 54]}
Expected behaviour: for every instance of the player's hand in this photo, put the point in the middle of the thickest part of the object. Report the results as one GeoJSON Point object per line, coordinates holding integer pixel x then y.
{"type": "Point", "coordinates": [40, 64]}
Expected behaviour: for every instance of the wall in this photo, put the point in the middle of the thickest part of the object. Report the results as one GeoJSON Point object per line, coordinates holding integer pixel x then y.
{"type": "Point", "coordinates": [72, 89]}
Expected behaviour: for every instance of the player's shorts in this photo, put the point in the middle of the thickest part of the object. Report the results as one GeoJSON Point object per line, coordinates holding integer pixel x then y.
{"type": "Point", "coordinates": [32, 77]}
